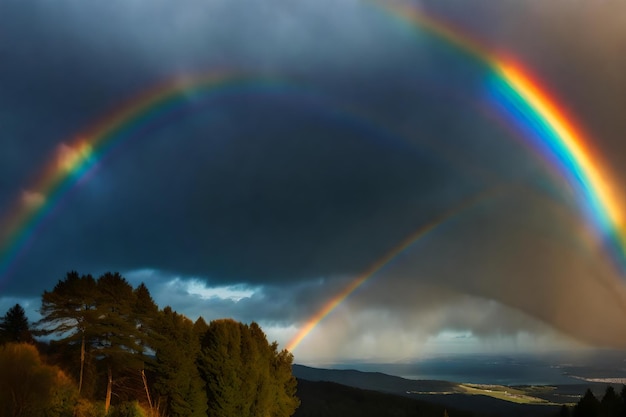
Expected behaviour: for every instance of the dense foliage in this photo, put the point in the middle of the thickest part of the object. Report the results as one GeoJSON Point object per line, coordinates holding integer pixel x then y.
{"type": "Point", "coordinates": [125, 357]}
{"type": "Point", "coordinates": [31, 388]}
{"type": "Point", "coordinates": [246, 376]}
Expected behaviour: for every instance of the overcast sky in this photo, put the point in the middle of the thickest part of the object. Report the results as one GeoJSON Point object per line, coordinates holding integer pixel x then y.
{"type": "Point", "coordinates": [262, 204]}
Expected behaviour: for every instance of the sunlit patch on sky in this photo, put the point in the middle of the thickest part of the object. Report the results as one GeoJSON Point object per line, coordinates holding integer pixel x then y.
{"type": "Point", "coordinates": [230, 292]}
{"type": "Point", "coordinates": [32, 199]}
{"type": "Point", "coordinates": [71, 157]}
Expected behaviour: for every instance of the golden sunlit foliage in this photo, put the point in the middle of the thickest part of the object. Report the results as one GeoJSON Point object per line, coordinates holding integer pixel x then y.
{"type": "Point", "coordinates": [31, 388]}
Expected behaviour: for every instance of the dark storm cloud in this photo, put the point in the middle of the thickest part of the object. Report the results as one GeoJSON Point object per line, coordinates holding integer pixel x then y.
{"type": "Point", "coordinates": [292, 201]}
{"type": "Point", "coordinates": [244, 189]}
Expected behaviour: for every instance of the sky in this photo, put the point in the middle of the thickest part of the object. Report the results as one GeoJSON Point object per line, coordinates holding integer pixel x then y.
{"type": "Point", "coordinates": [264, 201]}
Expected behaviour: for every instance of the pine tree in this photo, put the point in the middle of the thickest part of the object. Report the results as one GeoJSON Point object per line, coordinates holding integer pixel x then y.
{"type": "Point", "coordinates": [221, 367]}
{"type": "Point", "coordinates": [14, 326]}
{"type": "Point", "coordinates": [588, 406]}
{"type": "Point", "coordinates": [115, 331]}
{"type": "Point", "coordinates": [68, 311]}
{"type": "Point", "coordinates": [245, 375]}
{"type": "Point", "coordinates": [146, 313]}
{"type": "Point", "coordinates": [200, 328]}
{"type": "Point", "coordinates": [611, 404]}
{"type": "Point", "coordinates": [179, 387]}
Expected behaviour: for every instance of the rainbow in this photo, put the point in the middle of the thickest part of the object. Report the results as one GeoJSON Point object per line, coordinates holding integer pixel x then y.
{"type": "Point", "coordinates": [387, 258]}
{"type": "Point", "coordinates": [80, 159]}
{"type": "Point", "coordinates": [519, 97]}
{"type": "Point", "coordinates": [535, 113]}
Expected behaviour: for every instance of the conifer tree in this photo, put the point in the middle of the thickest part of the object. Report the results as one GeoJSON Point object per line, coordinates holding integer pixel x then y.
{"type": "Point", "coordinates": [14, 326]}
{"type": "Point", "coordinates": [245, 375]}
{"type": "Point", "coordinates": [115, 331]}
{"type": "Point", "coordinates": [611, 404]}
{"type": "Point", "coordinates": [146, 313]}
{"type": "Point", "coordinates": [221, 365]}
{"type": "Point", "coordinates": [588, 406]}
{"type": "Point", "coordinates": [68, 311]}
{"type": "Point", "coordinates": [179, 387]}
{"type": "Point", "coordinates": [200, 328]}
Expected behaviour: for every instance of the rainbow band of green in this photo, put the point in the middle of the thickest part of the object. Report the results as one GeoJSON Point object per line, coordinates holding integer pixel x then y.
{"type": "Point", "coordinates": [550, 132]}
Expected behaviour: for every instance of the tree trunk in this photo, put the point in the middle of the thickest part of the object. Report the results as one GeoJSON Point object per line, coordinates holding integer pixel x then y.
{"type": "Point", "coordinates": [145, 384]}
{"type": "Point", "coordinates": [107, 401]}
{"type": "Point", "coordinates": [82, 363]}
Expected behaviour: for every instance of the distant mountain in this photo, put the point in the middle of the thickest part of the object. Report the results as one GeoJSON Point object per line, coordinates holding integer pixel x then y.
{"type": "Point", "coordinates": [431, 395]}
{"type": "Point", "coordinates": [375, 381]}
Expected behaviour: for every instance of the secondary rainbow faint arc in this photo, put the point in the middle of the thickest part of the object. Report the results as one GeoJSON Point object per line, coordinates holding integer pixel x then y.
{"type": "Point", "coordinates": [567, 143]}
{"type": "Point", "coordinates": [139, 114]}
{"type": "Point", "coordinates": [85, 153]}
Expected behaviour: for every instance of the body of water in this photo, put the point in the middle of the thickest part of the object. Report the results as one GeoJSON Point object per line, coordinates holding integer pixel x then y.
{"type": "Point", "coordinates": [554, 369]}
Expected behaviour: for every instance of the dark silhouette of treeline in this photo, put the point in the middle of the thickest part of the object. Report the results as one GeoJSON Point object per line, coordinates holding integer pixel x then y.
{"type": "Point", "coordinates": [114, 352]}
{"type": "Point", "coordinates": [611, 405]}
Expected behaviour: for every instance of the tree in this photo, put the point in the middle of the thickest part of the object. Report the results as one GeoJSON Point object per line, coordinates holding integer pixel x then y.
{"type": "Point", "coordinates": [588, 406]}
{"type": "Point", "coordinates": [14, 326]}
{"type": "Point", "coordinates": [284, 383]}
{"type": "Point", "coordinates": [31, 388]}
{"type": "Point", "coordinates": [115, 329]}
{"type": "Point", "coordinates": [611, 404]}
{"type": "Point", "coordinates": [178, 384]}
{"type": "Point", "coordinates": [245, 375]}
{"type": "Point", "coordinates": [146, 313]}
{"type": "Point", "coordinates": [200, 327]}
{"type": "Point", "coordinates": [106, 318]}
{"type": "Point", "coordinates": [68, 311]}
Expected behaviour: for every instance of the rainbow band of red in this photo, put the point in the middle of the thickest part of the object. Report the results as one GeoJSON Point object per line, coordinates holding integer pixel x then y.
{"type": "Point", "coordinates": [553, 134]}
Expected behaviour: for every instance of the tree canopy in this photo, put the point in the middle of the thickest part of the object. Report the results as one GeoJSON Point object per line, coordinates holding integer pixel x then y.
{"type": "Point", "coordinates": [128, 351]}
{"type": "Point", "coordinates": [245, 375]}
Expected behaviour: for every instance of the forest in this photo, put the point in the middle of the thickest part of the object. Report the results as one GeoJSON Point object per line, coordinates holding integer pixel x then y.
{"type": "Point", "coordinates": [104, 348]}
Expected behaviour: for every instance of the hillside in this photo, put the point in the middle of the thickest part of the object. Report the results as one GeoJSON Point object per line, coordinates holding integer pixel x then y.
{"type": "Point", "coordinates": [329, 399]}
{"type": "Point", "coordinates": [422, 394]}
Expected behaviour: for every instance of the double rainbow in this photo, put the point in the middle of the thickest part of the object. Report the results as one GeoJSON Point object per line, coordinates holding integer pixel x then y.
{"type": "Point", "coordinates": [523, 101]}
{"type": "Point", "coordinates": [529, 107]}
